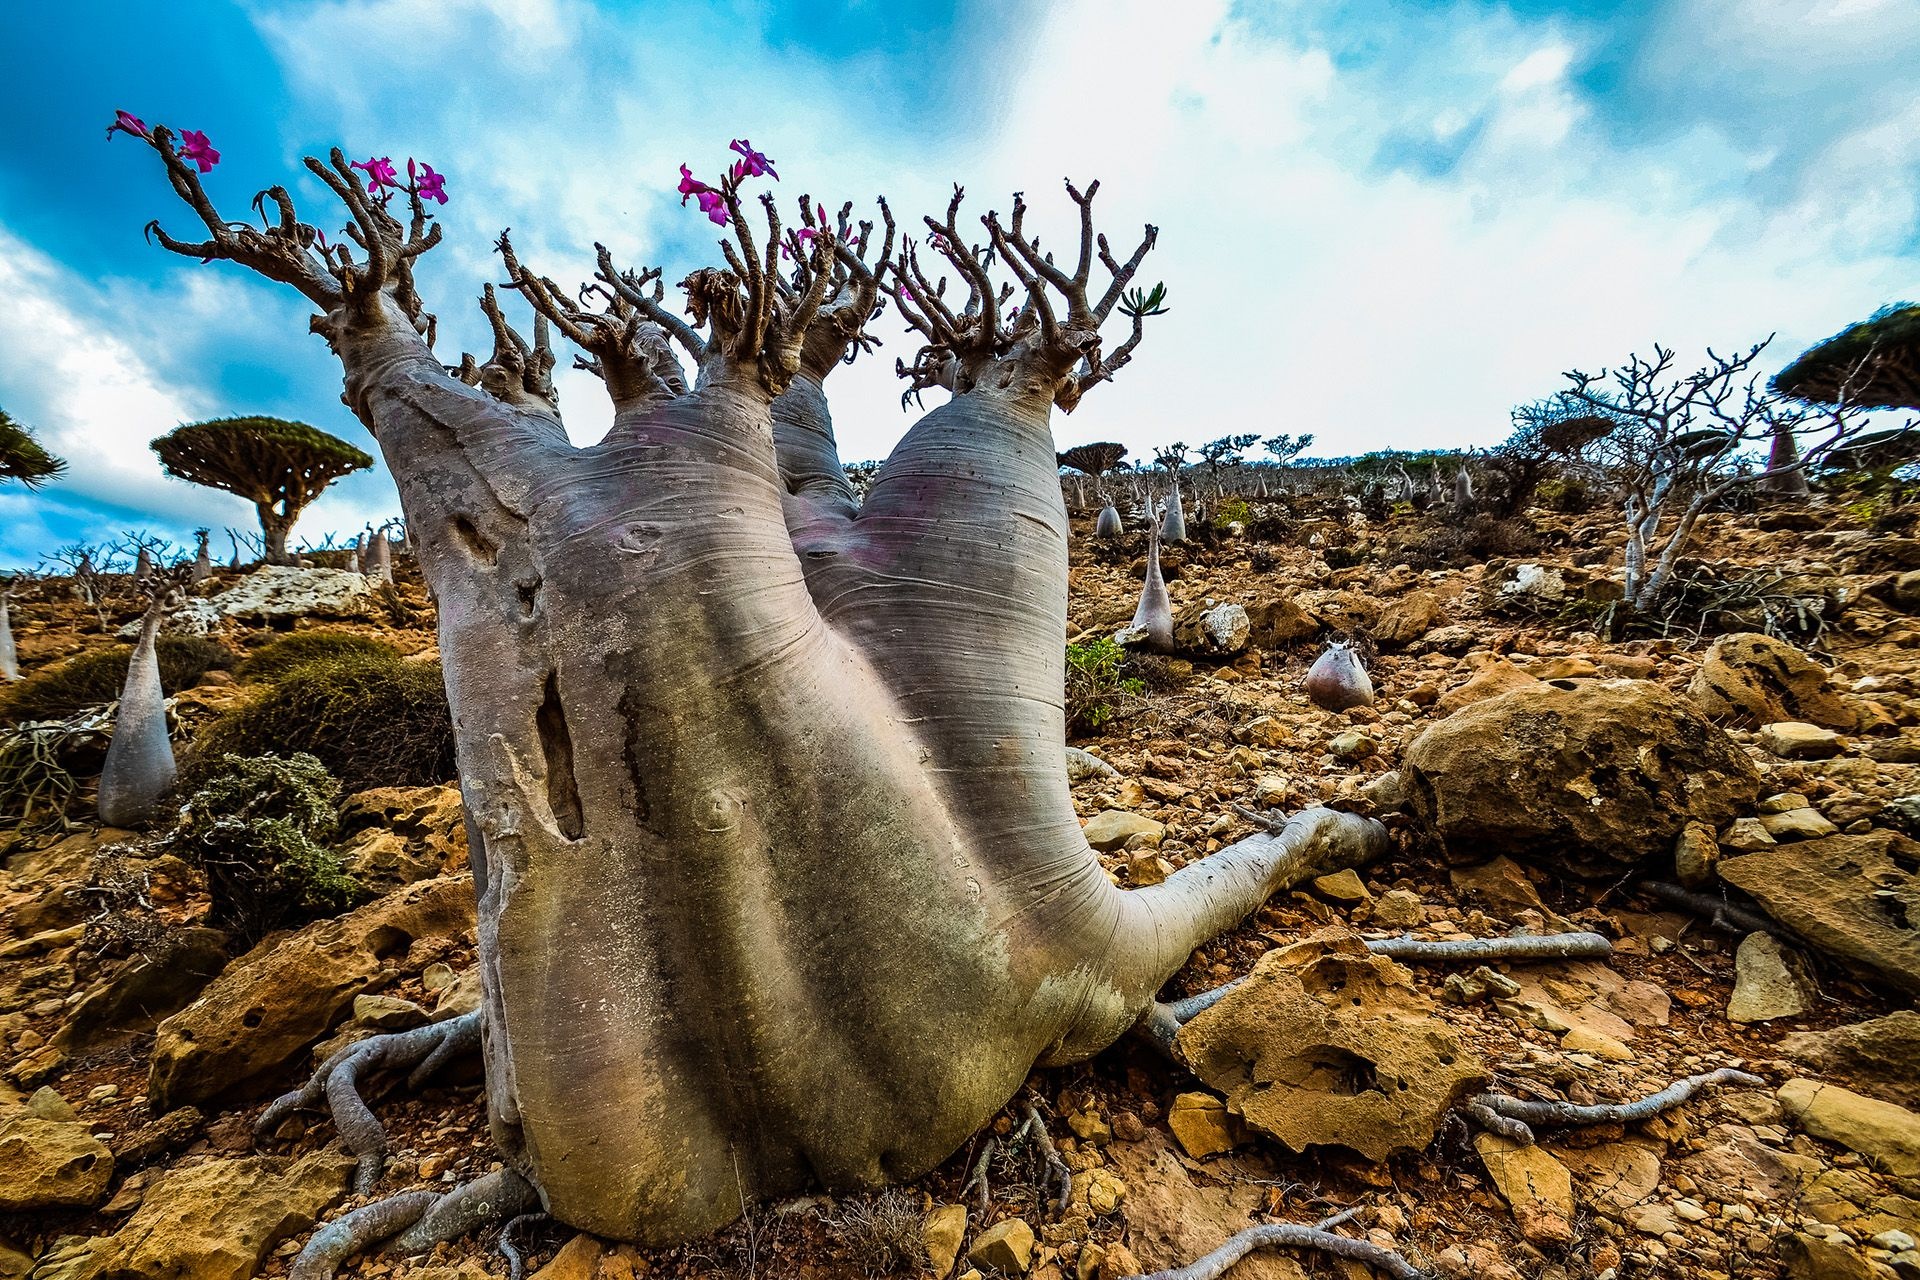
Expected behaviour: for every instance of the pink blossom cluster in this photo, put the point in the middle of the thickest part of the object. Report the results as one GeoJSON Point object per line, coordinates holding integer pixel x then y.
{"type": "Point", "coordinates": [712, 201]}
{"type": "Point", "coordinates": [193, 143]}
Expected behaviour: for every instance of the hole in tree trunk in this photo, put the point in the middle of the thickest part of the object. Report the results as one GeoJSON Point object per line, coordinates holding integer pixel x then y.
{"type": "Point", "coordinates": [563, 795]}
{"type": "Point", "coordinates": [474, 541]}
{"type": "Point", "coordinates": [529, 592]}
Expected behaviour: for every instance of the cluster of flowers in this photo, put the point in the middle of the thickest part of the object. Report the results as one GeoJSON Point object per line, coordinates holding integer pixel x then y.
{"type": "Point", "coordinates": [382, 179]}
{"type": "Point", "coordinates": [193, 143]}
{"type": "Point", "coordinates": [751, 164]}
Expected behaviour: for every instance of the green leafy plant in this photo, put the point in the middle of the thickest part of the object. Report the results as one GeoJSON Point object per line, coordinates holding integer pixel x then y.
{"type": "Point", "coordinates": [282, 654]}
{"type": "Point", "coordinates": [257, 828]}
{"type": "Point", "coordinates": [1095, 682]}
{"type": "Point", "coordinates": [373, 719]}
{"type": "Point", "coordinates": [94, 679]}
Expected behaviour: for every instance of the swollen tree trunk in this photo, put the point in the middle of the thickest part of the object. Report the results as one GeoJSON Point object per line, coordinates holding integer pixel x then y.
{"type": "Point", "coordinates": [139, 765]}
{"type": "Point", "coordinates": [1173, 528]}
{"type": "Point", "coordinates": [1108, 524]}
{"type": "Point", "coordinates": [1153, 617]}
{"type": "Point", "coordinates": [1791, 480]}
{"type": "Point", "coordinates": [9, 656]}
{"type": "Point", "coordinates": [382, 557]}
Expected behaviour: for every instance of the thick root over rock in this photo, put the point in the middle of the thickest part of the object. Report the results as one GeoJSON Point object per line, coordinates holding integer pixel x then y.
{"type": "Point", "coordinates": [421, 1052]}
{"type": "Point", "coordinates": [1513, 1118]}
{"type": "Point", "coordinates": [414, 1221]}
{"type": "Point", "coordinates": [1319, 1237]}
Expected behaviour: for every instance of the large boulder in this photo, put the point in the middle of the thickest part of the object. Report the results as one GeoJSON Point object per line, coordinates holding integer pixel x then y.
{"type": "Point", "coordinates": [392, 836]}
{"type": "Point", "coordinates": [292, 989]}
{"type": "Point", "coordinates": [1598, 777]}
{"type": "Point", "coordinates": [1878, 1056]}
{"type": "Point", "coordinates": [1752, 679]}
{"type": "Point", "coordinates": [1888, 1136]}
{"type": "Point", "coordinates": [1407, 619]}
{"type": "Point", "coordinates": [219, 1220]}
{"type": "Point", "coordinates": [1326, 1044]}
{"type": "Point", "coordinates": [1852, 897]}
{"type": "Point", "coordinates": [277, 593]}
{"type": "Point", "coordinates": [50, 1160]}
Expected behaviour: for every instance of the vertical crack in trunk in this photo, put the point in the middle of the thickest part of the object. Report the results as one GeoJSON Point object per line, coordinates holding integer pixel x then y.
{"type": "Point", "coordinates": [563, 793]}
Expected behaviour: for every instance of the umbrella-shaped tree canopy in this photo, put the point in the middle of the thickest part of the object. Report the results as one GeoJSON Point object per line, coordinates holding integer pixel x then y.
{"type": "Point", "coordinates": [1871, 365]}
{"type": "Point", "coordinates": [23, 458]}
{"type": "Point", "coordinates": [1094, 459]}
{"type": "Point", "coordinates": [277, 465]}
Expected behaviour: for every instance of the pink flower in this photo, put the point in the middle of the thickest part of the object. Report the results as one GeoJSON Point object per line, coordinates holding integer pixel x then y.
{"type": "Point", "coordinates": [427, 184]}
{"type": "Point", "coordinates": [752, 163]}
{"type": "Point", "coordinates": [381, 178]}
{"type": "Point", "coordinates": [690, 186]}
{"type": "Point", "coordinates": [196, 148]}
{"type": "Point", "coordinates": [126, 122]}
{"type": "Point", "coordinates": [713, 206]}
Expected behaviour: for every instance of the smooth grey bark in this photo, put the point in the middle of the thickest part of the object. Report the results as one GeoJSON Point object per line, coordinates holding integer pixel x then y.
{"type": "Point", "coordinates": [139, 766]}
{"type": "Point", "coordinates": [9, 655]}
{"type": "Point", "coordinates": [202, 561]}
{"type": "Point", "coordinates": [781, 882]}
{"type": "Point", "coordinates": [1153, 617]}
{"type": "Point", "coordinates": [1783, 457]}
{"type": "Point", "coordinates": [1173, 527]}
{"type": "Point", "coordinates": [382, 557]}
{"type": "Point", "coordinates": [1107, 524]}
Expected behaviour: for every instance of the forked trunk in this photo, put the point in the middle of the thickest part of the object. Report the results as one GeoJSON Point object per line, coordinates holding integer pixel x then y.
{"type": "Point", "coordinates": [139, 765]}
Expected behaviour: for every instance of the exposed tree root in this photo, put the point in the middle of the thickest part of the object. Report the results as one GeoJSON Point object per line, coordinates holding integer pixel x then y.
{"type": "Point", "coordinates": [1056, 1167]}
{"type": "Point", "coordinates": [1548, 946]}
{"type": "Point", "coordinates": [1717, 911]}
{"type": "Point", "coordinates": [1513, 1118]}
{"type": "Point", "coordinates": [510, 1249]}
{"type": "Point", "coordinates": [978, 1178]}
{"type": "Point", "coordinates": [414, 1221]}
{"type": "Point", "coordinates": [1293, 1235]}
{"type": "Point", "coordinates": [1164, 1020]}
{"type": "Point", "coordinates": [424, 1049]}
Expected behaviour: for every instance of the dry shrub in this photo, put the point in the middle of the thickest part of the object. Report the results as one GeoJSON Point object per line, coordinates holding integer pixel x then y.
{"type": "Point", "coordinates": [94, 679]}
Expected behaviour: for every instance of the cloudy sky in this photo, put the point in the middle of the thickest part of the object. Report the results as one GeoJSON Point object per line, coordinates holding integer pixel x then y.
{"type": "Point", "coordinates": [1384, 223]}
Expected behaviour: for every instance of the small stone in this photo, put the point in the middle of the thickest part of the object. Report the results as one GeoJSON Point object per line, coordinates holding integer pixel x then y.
{"type": "Point", "coordinates": [578, 1259]}
{"type": "Point", "coordinates": [1785, 802]}
{"type": "Point", "coordinates": [1090, 1128]}
{"type": "Point", "coordinates": [1797, 740]}
{"type": "Point", "coordinates": [1264, 731]}
{"type": "Point", "coordinates": [1895, 1241]}
{"type": "Point", "coordinates": [1746, 835]}
{"type": "Point", "coordinates": [1006, 1247]}
{"type": "Point", "coordinates": [47, 1103]}
{"type": "Point", "coordinates": [437, 976]}
{"type": "Point", "coordinates": [1104, 1192]}
{"type": "Point", "coordinates": [1536, 1186]}
{"type": "Point", "coordinates": [944, 1229]}
{"type": "Point", "coordinates": [1695, 854]}
{"type": "Point", "coordinates": [1270, 790]}
{"type": "Point", "coordinates": [1399, 909]}
{"type": "Point", "coordinates": [1652, 1219]}
{"type": "Point", "coordinates": [1201, 1124]}
{"type": "Point", "coordinates": [1111, 828]}
{"type": "Point", "coordinates": [1343, 886]}
{"type": "Point", "coordinates": [1597, 1043]}
{"type": "Point", "coordinates": [1888, 1136]}
{"type": "Point", "coordinates": [1352, 746]}
{"type": "Point", "coordinates": [388, 1013]}
{"type": "Point", "coordinates": [1798, 824]}
{"type": "Point", "coordinates": [1768, 982]}
{"type": "Point", "coordinates": [1127, 1127]}
{"type": "Point", "coordinates": [1146, 867]}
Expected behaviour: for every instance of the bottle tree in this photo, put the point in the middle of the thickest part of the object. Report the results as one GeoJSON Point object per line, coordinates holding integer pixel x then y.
{"type": "Point", "coordinates": [780, 881]}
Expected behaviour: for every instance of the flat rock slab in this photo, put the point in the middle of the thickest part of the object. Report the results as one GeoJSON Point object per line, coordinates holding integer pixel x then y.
{"type": "Point", "coordinates": [1886, 1135]}
{"type": "Point", "coordinates": [1846, 896]}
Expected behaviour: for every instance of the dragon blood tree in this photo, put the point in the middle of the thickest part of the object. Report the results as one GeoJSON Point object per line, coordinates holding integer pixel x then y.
{"type": "Point", "coordinates": [780, 883]}
{"type": "Point", "coordinates": [278, 466]}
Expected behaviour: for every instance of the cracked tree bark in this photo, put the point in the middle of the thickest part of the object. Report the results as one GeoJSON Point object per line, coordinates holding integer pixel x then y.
{"type": "Point", "coordinates": [781, 884]}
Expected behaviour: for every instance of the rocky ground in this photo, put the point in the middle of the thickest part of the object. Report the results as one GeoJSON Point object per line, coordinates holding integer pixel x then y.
{"type": "Point", "coordinates": [1536, 777]}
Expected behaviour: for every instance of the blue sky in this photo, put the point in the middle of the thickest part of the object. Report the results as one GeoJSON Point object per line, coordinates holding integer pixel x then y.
{"type": "Point", "coordinates": [1381, 223]}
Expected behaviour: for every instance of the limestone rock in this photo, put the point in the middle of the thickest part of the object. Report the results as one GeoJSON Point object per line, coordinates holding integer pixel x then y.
{"type": "Point", "coordinates": [392, 836]}
{"type": "Point", "coordinates": [50, 1162]}
{"type": "Point", "coordinates": [1343, 886]}
{"type": "Point", "coordinates": [289, 991]}
{"type": "Point", "coordinates": [1202, 1124]}
{"type": "Point", "coordinates": [1220, 631]}
{"type": "Point", "coordinates": [1798, 740]}
{"type": "Point", "coordinates": [1005, 1247]}
{"type": "Point", "coordinates": [1535, 1186]}
{"type": "Point", "coordinates": [1768, 982]}
{"type": "Point", "coordinates": [1606, 774]}
{"type": "Point", "coordinates": [146, 988]}
{"type": "Point", "coordinates": [1490, 681]}
{"type": "Point", "coordinates": [281, 591]}
{"type": "Point", "coordinates": [387, 1013]}
{"type": "Point", "coordinates": [1399, 909]}
{"type": "Point", "coordinates": [1408, 618]}
{"type": "Point", "coordinates": [1614, 1176]}
{"type": "Point", "coordinates": [218, 1220]}
{"type": "Point", "coordinates": [1352, 746]}
{"type": "Point", "coordinates": [1277, 623]}
{"type": "Point", "coordinates": [944, 1229]}
{"type": "Point", "coordinates": [1695, 855]}
{"type": "Point", "coordinates": [1111, 828]}
{"type": "Point", "coordinates": [1887, 1135]}
{"type": "Point", "coordinates": [1752, 679]}
{"type": "Point", "coordinates": [1878, 1055]}
{"type": "Point", "coordinates": [1327, 1044]}
{"type": "Point", "coordinates": [1745, 835]}
{"type": "Point", "coordinates": [1797, 824]}
{"type": "Point", "coordinates": [1848, 896]}
{"type": "Point", "coordinates": [1174, 1217]}
{"type": "Point", "coordinates": [1811, 1257]}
